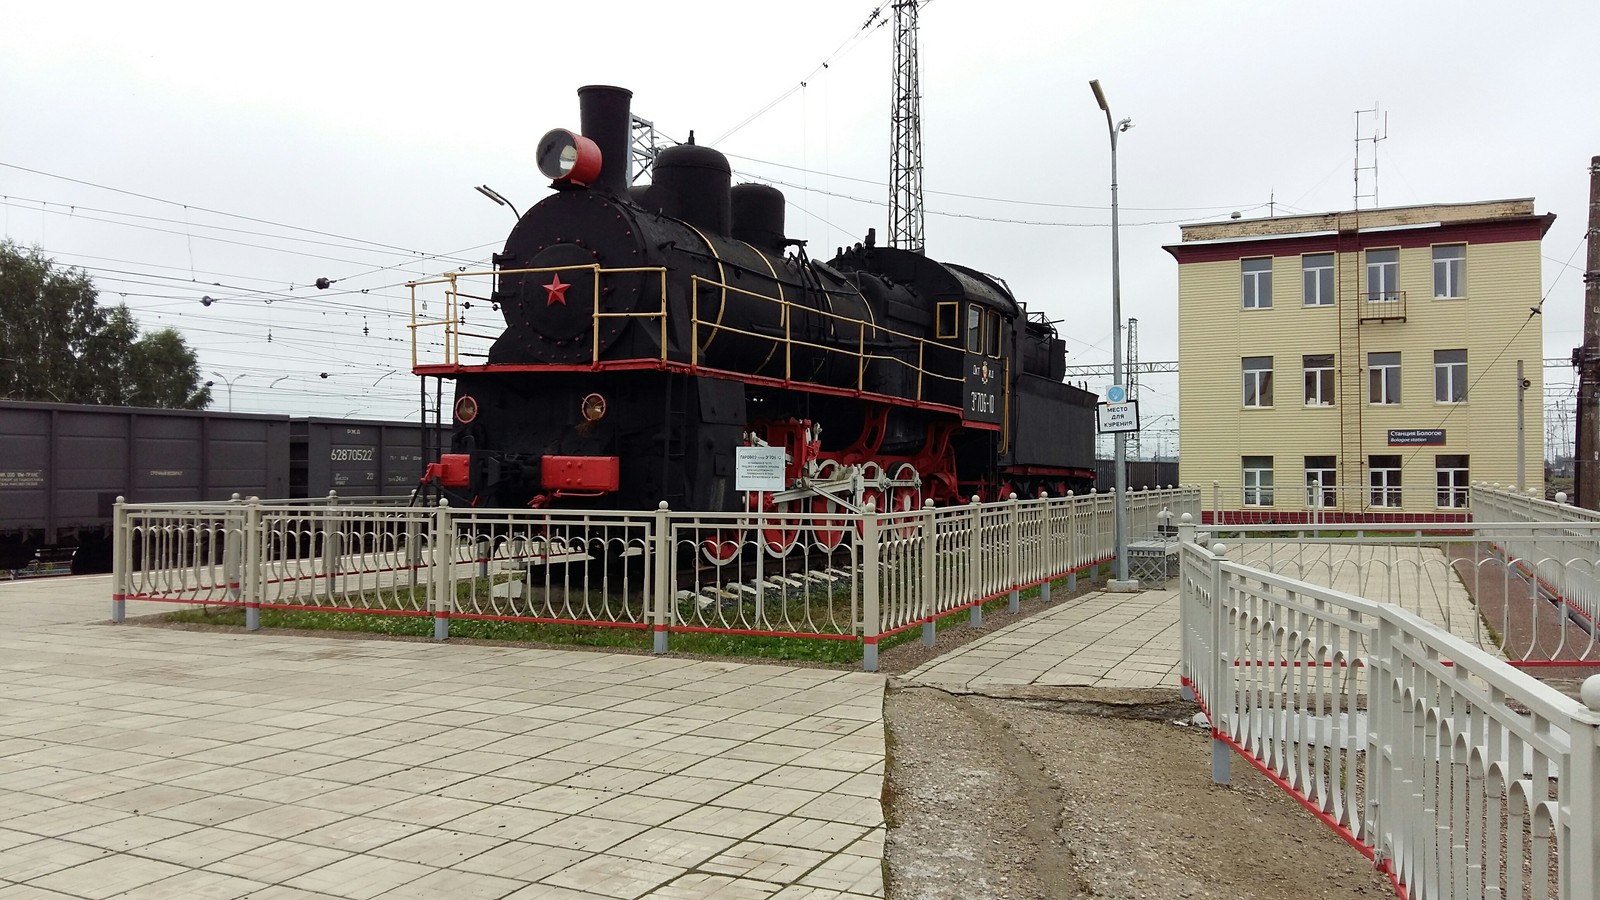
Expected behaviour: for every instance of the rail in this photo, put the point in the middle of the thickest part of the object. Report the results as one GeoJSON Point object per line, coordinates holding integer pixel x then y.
{"type": "Point", "coordinates": [1459, 775]}
{"type": "Point", "coordinates": [829, 575]}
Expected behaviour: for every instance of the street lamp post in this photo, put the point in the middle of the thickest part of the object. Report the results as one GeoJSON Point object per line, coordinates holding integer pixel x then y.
{"type": "Point", "coordinates": [229, 382]}
{"type": "Point", "coordinates": [1120, 457]}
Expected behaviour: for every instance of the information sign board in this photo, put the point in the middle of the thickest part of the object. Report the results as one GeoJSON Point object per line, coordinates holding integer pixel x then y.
{"type": "Point", "coordinates": [759, 469]}
{"type": "Point", "coordinates": [1113, 418]}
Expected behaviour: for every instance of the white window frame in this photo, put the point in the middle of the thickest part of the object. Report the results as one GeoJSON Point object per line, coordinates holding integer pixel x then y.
{"type": "Point", "coordinates": [1448, 377]}
{"type": "Point", "coordinates": [1256, 480]}
{"type": "Point", "coordinates": [1323, 480]}
{"type": "Point", "coordinates": [1312, 280]}
{"type": "Point", "coordinates": [1384, 483]}
{"type": "Point", "coordinates": [1383, 397]}
{"type": "Point", "coordinates": [1256, 383]}
{"type": "Point", "coordinates": [1388, 273]}
{"type": "Point", "coordinates": [1318, 392]}
{"type": "Point", "coordinates": [1451, 483]}
{"type": "Point", "coordinates": [1450, 272]}
{"type": "Point", "coordinates": [1256, 283]}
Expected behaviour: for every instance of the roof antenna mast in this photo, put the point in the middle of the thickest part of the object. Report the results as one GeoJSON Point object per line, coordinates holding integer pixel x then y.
{"type": "Point", "coordinates": [1368, 161]}
{"type": "Point", "coordinates": [905, 165]}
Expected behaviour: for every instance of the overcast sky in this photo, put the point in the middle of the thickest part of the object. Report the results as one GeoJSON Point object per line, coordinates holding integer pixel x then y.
{"type": "Point", "coordinates": [179, 151]}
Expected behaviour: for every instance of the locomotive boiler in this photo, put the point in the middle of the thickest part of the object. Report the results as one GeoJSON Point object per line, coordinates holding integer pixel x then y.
{"type": "Point", "coordinates": [652, 330]}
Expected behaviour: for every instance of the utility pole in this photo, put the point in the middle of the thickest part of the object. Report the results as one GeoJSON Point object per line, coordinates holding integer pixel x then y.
{"type": "Point", "coordinates": [1586, 461]}
{"type": "Point", "coordinates": [905, 138]}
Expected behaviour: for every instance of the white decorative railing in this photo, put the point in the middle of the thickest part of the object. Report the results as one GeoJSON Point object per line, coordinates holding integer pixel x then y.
{"type": "Point", "coordinates": [826, 575]}
{"type": "Point", "coordinates": [1458, 774]}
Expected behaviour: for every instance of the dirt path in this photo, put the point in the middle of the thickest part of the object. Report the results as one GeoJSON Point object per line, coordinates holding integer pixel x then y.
{"type": "Point", "coordinates": [1026, 799]}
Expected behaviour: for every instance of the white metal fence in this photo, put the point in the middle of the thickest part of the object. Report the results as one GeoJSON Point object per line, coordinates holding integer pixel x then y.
{"type": "Point", "coordinates": [825, 575]}
{"type": "Point", "coordinates": [1519, 581]}
{"type": "Point", "coordinates": [1458, 774]}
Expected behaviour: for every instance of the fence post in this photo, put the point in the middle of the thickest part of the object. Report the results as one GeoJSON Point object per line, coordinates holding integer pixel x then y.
{"type": "Point", "coordinates": [1014, 555]}
{"type": "Point", "coordinates": [1219, 663]}
{"type": "Point", "coordinates": [872, 622]}
{"type": "Point", "coordinates": [121, 561]}
{"type": "Point", "coordinates": [1216, 503]}
{"type": "Point", "coordinates": [975, 564]}
{"type": "Point", "coordinates": [1580, 857]}
{"type": "Point", "coordinates": [330, 542]}
{"type": "Point", "coordinates": [253, 563]}
{"type": "Point", "coordinates": [444, 557]}
{"type": "Point", "coordinates": [1185, 596]}
{"type": "Point", "coordinates": [664, 581]}
{"type": "Point", "coordinates": [930, 583]}
{"type": "Point", "coordinates": [232, 552]}
{"type": "Point", "coordinates": [1047, 546]}
{"type": "Point", "coordinates": [1072, 542]}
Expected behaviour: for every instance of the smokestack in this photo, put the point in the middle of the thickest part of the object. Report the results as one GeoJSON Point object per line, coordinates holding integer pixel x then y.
{"type": "Point", "coordinates": [603, 113]}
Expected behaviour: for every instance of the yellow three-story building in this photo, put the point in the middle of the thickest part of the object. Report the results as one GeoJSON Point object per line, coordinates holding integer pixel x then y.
{"type": "Point", "coordinates": [1358, 364]}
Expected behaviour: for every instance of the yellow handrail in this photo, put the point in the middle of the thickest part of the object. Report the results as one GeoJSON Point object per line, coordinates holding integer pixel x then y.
{"type": "Point", "coordinates": [454, 330]}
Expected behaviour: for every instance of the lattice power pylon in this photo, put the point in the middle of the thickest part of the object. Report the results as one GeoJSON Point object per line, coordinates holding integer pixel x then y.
{"type": "Point", "coordinates": [905, 165]}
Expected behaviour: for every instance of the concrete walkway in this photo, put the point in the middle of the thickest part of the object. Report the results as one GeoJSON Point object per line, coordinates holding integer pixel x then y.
{"type": "Point", "coordinates": [1100, 640]}
{"type": "Point", "coordinates": [151, 763]}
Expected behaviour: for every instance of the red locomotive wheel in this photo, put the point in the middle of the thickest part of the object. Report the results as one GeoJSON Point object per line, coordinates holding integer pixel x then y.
{"type": "Point", "coordinates": [723, 546]}
{"type": "Point", "coordinates": [779, 535]}
{"type": "Point", "coordinates": [828, 534]}
{"type": "Point", "coordinates": [905, 499]}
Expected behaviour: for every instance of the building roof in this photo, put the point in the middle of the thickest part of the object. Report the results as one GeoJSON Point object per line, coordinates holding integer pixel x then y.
{"type": "Point", "coordinates": [1489, 220]}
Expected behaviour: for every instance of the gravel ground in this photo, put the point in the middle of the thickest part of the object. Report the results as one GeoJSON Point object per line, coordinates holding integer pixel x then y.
{"type": "Point", "coordinates": [1006, 798]}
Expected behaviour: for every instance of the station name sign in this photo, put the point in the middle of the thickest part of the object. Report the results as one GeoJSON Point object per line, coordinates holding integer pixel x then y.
{"type": "Point", "coordinates": [1416, 437]}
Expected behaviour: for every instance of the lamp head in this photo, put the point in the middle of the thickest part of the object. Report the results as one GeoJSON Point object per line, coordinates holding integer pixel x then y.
{"type": "Point", "coordinates": [1124, 125]}
{"type": "Point", "coordinates": [1099, 96]}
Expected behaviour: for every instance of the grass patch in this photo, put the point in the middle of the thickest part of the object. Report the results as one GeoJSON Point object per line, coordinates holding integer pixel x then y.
{"type": "Point", "coordinates": [811, 650]}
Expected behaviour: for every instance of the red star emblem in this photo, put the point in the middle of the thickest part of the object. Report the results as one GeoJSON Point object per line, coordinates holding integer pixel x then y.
{"type": "Point", "coordinates": [557, 291]}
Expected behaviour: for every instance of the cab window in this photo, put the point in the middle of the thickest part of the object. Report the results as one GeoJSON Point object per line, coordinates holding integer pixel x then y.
{"type": "Point", "coordinates": [974, 328]}
{"type": "Point", "coordinates": [993, 333]}
{"type": "Point", "coordinates": [948, 323]}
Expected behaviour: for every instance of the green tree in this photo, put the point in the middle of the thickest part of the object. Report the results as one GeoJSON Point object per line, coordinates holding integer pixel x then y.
{"type": "Point", "coordinates": [57, 343]}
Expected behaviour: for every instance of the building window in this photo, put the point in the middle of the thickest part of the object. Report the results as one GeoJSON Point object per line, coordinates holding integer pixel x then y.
{"type": "Point", "coordinates": [1257, 481]}
{"type": "Point", "coordinates": [974, 328]}
{"type": "Point", "coordinates": [1257, 381]}
{"type": "Point", "coordinates": [1450, 481]}
{"type": "Point", "coordinates": [1317, 274]}
{"type": "Point", "coordinates": [1383, 275]}
{"type": "Point", "coordinates": [1257, 277]}
{"type": "Point", "coordinates": [1322, 491]}
{"type": "Point", "coordinates": [1450, 376]}
{"type": "Point", "coordinates": [1450, 270]}
{"type": "Point", "coordinates": [1383, 477]}
{"type": "Point", "coordinates": [1319, 379]}
{"type": "Point", "coordinates": [1383, 378]}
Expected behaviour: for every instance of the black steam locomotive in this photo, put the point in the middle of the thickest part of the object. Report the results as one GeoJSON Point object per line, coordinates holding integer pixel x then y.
{"type": "Point", "coordinates": [653, 331]}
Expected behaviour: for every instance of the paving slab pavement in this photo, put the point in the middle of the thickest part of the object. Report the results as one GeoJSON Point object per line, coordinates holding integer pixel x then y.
{"type": "Point", "coordinates": [154, 763]}
{"type": "Point", "coordinates": [1098, 640]}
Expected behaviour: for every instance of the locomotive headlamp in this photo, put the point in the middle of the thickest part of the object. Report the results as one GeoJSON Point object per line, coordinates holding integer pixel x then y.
{"type": "Point", "coordinates": [568, 158]}
{"type": "Point", "coordinates": [466, 410]}
{"type": "Point", "coordinates": [594, 408]}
